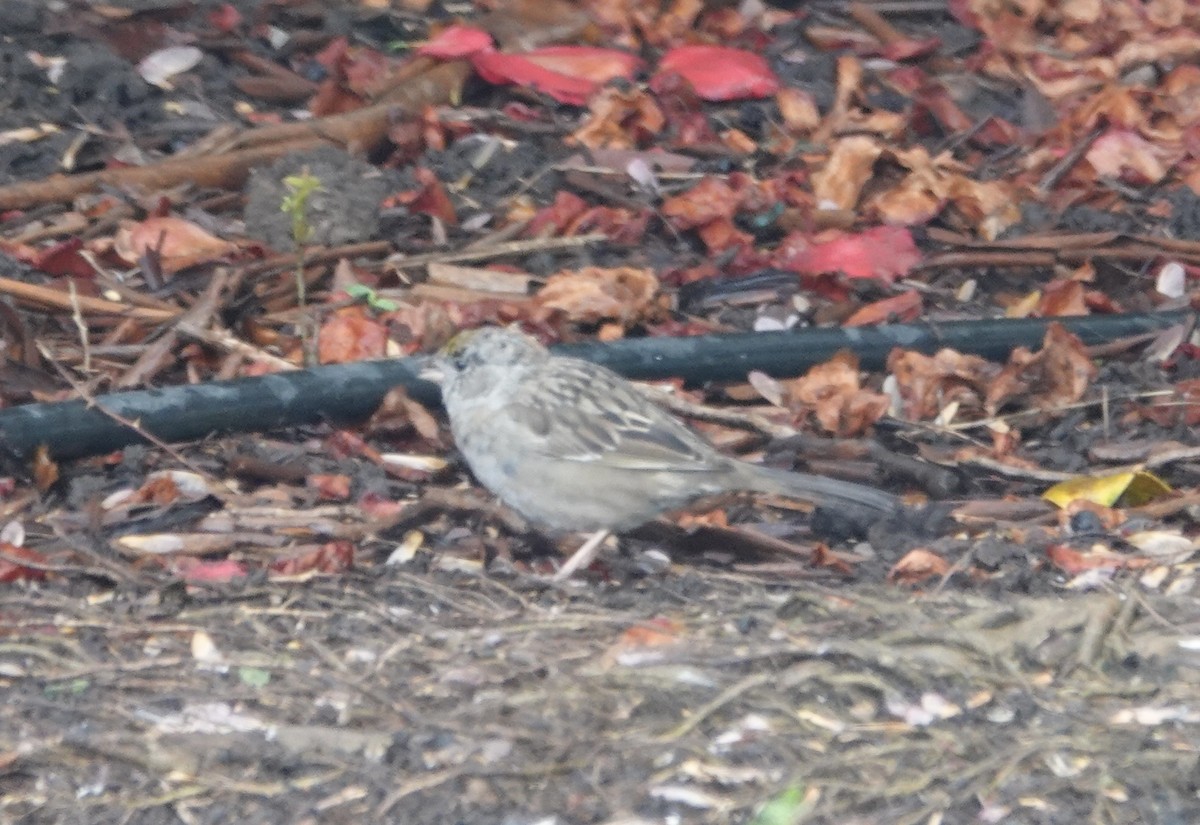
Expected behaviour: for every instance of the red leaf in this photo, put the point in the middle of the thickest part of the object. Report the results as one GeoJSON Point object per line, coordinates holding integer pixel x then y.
{"type": "Point", "coordinates": [586, 62]}
{"type": "Point", "coordinates": [179, 243]}
{"type": "Point", "coordinates": [1074, 562]}
{"type": "Point", "coordinates": [12, 570]}
{"type": "Point", "coordinates": [569, 74]}
{"type": "Point", "coordinates": [210, 572]}
{"type": "Point", "coordinates": [457, 41]}
{"type": "Point", "coordinates": [225, 18]}
{"type": "Point", "coordinates": [497, 67]}
{"type": "Point", "coordinates": [64, 259]}
{"type": "Point", "coordinates": [330, 486]}
{"type": "Point", "coordinates": [718, 72]}
{"type": "Point", "coordinates": [332, 557]}
{"type": "Point", "coordinates": [883, 252]}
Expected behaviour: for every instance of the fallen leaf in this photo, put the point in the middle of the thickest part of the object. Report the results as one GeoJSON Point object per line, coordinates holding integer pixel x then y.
{"type": "Point", "coordinates": [1058, 374]}
{"type": "Point", "coordinates": [456, 41]}
{"type": "Point", "coordinates": [832, 393]}
{"type": "Point", "coordinates": [1136, 488]}
{"type": "Point", "coordinates": [350, 334]}
{"type": "Point", "coordinates": [178, 243]}
{"type": "Point", "coordinates": [11, 567]}
{"type": "Point", "coordinates": [904, 307]}
{"type": "Point", "coordinates": [883, 252]}
{"type": "Point", "coordinates": [593, 294]}
{"type": "Point", "coordinates": [331, 557]}
{"type": "Point", "coordinates": [718, 72]}
{"type": "Point", "coordinates": [917, 566]}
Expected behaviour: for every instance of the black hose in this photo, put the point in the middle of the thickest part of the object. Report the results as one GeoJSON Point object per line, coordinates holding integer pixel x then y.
{"type": "Point", "coordinates": [347, 393]}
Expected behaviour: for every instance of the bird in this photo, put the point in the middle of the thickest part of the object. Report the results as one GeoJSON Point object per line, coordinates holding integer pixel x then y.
{"type": "Point", "coordinates": [572, 446]}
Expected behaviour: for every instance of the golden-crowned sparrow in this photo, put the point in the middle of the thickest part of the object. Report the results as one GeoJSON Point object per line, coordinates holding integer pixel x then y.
{"type": "Point", "coordinates": [573, 446]}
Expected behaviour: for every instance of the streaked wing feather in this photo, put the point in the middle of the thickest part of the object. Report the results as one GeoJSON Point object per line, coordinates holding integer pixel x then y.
{"type": "Point", "coordinates": [604, 426]}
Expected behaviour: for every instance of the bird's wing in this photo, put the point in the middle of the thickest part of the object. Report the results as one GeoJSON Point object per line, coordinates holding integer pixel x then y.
{"type": "Point", "coordinates": [612, 422]}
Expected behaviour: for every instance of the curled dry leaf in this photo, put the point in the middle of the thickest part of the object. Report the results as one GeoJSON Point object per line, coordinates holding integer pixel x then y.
{"type": "Point", "coordinates": [1074, 562]}
{"type": "Point", "coordinates": [594, 294]}
{"type": "Point", "coordinates": [428, 198]}
{"type": "Point", "coordinates": [399, 413]}
{"type": "Point", "coordinates": [926, 383]}
{"type": "Point", "coordinates": [832, 393]}
{"type": "Point", "coordinates": [619, 119]}
{"type": "Point", "coordinates": [330, 486]}
{"type": "Point", "coordinates": [1125, 155]}
{"type": "Point", "coordinates": [798, 109]}
{"type": "Point", "coordinates": [1058, 374]}
{"type": "Point", "coordinates": [772, 389]}
{"type": "Point", "coordinates": [45, 469]}
{"type": "Point", "coordinates": [851, 164]}
{"type": "Point", "coordinates": [158, 67]}
{"type": "Point", "coordinates": [1164, 546]}
{"type": "Point", "coordinates": [709, 200]}
{"type": "Point", "coordinates": [1062, 298]}
{"type": "Point", "coordinates": [905, 306]}
{"type": "Point", "coordinates": [331, 557]}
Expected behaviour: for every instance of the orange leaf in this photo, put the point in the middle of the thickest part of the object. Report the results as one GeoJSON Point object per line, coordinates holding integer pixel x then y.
{"type": "Point", "coordinates": [349, 335]}
{"type": "Point", "coordinates": [917, 566]}
{"type": "Point", "coordinates": [179, 243]}
{"type": "Point", "coordinates": [903, 307]}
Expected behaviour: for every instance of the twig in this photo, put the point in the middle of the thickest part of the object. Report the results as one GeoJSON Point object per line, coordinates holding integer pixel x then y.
{"type": "Point", "coordinates": [497, 251]}
{"type": "Point", "coordinates": [80, 325]}
{"type": "Point", "coordinates": [55, 299]}
{"type": "Point", "coordinates": [221, 339]}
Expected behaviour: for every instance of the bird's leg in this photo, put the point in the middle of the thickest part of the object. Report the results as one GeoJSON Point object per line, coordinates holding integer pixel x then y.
{"type": "Point", "coordinates": [582, 557]}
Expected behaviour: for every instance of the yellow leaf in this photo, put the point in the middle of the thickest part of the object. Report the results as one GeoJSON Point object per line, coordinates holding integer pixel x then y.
{"type": "Point", "coordinates": [1132, 488]}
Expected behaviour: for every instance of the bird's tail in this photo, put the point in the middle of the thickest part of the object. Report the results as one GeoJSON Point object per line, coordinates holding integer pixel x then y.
{"type": "Point", "coordinates": [822, 491]}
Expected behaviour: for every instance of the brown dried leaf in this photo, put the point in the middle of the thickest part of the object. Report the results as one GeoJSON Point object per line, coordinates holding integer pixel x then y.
{"type": "Point", "coordinates": [1058, 374]}
{"type": "Point", "coordinates": [178, 243]}
{"type": "Point", "coordinates": [619, 120]}
{"type": "Point", "coordinates": [707, 201]}
{"type": "Point", "coordinates": [1063, 298]}
{"type": "Point", "coordinates": [926, 384]}
{"type": "Point", "coordinates": [851, 164]}
{"type": "Point", "coordinates": [833, 394]}
{"type": "Point", "coordinates": [594, 294]}
{"type": "Point", "coordinates": [399, 412]}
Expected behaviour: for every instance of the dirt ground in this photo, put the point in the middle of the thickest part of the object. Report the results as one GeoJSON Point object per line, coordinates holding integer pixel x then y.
{"type": "Point", "coordinates": [388, 696]}
{"type": "Point", "coordinates": [758, 679]}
